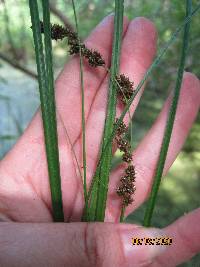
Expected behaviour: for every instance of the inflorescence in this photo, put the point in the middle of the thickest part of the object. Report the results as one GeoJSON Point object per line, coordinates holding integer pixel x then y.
{"type": "Point", "coordinates": [59, 32]}
{"type": "Point", "coordinates": [124, 91]}
{"type": "Point", "coordinates": [125, 88]}
{"type": "Point", "coordinates": [127, 187]}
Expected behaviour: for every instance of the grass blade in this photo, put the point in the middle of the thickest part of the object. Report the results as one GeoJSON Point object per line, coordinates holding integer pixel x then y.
{"type": "Point", "coordinates": [47, 99]}
{"type": "Point", "coordinates": [170, 122]}
{"type": "Point", "coordinates": [83, 112]}
{"type": "Point", "coordinates": [111, 111]}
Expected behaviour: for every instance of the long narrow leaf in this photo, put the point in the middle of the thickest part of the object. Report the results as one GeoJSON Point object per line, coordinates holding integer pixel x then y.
{"type": "Point", "coordinates": [47, 98]}
{"type": "Point", "coordinates": [111, 111]}
{"type": "Point", "coordinates": [82, 112]}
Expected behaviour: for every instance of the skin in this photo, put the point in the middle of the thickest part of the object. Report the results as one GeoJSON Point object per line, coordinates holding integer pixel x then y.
{"type": "Point", "coordinates": [27, 235]}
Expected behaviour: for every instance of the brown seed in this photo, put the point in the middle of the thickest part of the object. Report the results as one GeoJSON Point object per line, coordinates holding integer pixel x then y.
{"type": "Point", "coordinates": [57, 31]}
{"type": "Point", "coordinates": [123, 145]}
{"type": "Point", "coordinates": [124, 88]}
{"type": "Point", "coordinates": [127, 200]}
{"type": "Point", "coordinates": [127, 157]}
{"type": "Point", "coordinates": [95, 59]}
{"type": "Point", "coordinates": [121, 128]}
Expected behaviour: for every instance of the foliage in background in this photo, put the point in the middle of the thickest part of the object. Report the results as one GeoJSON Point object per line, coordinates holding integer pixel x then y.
{"type": "Point", "coordinates": [170, 122]}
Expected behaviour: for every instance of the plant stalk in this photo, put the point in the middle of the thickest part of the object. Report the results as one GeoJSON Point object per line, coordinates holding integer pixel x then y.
{"type": "Point", "coordinates": [111, 111]}
{"type": "Point", "coordinates": [47, 99]}
{"type": "Point", "coordinates": [82, 111]}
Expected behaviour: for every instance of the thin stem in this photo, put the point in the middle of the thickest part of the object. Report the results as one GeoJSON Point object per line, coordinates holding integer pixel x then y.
{"type": "Point", "coordinates": [169, 126]}
{"type": "Point", "coordinates": [122, 213]}
{"type": "Point", "coordinates": [72, 148]}
{"type": "Point", "coordinates": [83, 110]}
{"type": "Point", "coordinates": [47, 106]}
{"type": "Point", "coordinates": [99, 186]}
{"type": "Point", "coordinates": [111, 111]}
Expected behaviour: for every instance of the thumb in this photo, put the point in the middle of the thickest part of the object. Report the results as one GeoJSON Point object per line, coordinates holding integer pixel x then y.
{"type": "Point", "coordinates": [75, 244]}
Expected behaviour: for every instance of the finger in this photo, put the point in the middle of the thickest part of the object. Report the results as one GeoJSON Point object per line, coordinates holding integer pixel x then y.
{"type": "Point", "coordinates": [185, 234]}
{"type": "Point", "coordinates": [75, 244]}
{"type": "Point", "coordinates": [146, 155]}
{"type": "Point", "coordinates": [68, 86]}
{"type": "Point", "coordinates": [140, 32]}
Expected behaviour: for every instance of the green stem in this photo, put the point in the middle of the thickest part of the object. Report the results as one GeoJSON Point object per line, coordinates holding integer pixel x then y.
{"type": "Point", "coordinates": [47, 99]}
{"type": "Point", "coordinates": [169, 126]}
{"type": "Point", "coordinates": [111, 111]}
{"type": "Point", "coordinates": [97, 193]}
{"type": "Point", "coordinates": [122, 213]}
{"type": "Point", "coordinates": [83, 111]}
{"type": "Point", "coordinates": [71, 145]}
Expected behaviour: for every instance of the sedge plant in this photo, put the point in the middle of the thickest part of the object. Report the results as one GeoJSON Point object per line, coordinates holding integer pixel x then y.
{"type": "Point", "coordinates": [120, 89]}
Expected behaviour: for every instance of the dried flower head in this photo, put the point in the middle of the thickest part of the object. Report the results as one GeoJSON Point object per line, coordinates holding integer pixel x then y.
{"type": "Point", "coordinates": [59, 32]}
{"type": "Point", "coordinates": [127, 179]}
{"type": "Point", "coordinates": [123, 145]}
{"type": "Point", "coordinates": [94, 59]}
{"type": "Point", "coordinates": [127, 187]}
{"type": "Point", "coordinates": [124, 88]}
{"type": "Point", "coordinates": [130, 171]}
{"type": "Point", "coordinates": [122, 129]}
{"type": "Point", "coordinates": [127, 200]}
{"type": "Point", "coordinates": [127, 157]}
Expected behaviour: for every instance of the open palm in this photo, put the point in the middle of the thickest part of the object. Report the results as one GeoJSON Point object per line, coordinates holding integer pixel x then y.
{"type": "Point", "coordinates": [24, 185]}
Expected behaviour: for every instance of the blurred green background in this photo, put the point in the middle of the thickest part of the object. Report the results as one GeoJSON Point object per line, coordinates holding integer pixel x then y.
{"type": "Point", "coordinates": [19, 98]}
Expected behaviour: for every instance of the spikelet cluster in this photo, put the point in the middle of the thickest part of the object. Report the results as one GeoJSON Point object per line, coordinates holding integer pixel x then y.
{"type": "Point", "coordinates": [124, 88]}
{"type": "Point", "coordinates": [127, 187]}
{"type": "Point", "coordinates": [124, 91]}
{"type": "Point", "coordinates": [59, 32]}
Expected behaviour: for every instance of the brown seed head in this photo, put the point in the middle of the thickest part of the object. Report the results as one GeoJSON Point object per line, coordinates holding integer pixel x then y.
{"type": "Point", "coordinates": [121, 128]}
{"type": "Point", "coordinates": [127, 157]}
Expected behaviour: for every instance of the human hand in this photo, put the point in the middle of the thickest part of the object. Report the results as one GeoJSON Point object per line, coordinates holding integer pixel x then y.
{"type": "Point", "coordinates": [24, 186]}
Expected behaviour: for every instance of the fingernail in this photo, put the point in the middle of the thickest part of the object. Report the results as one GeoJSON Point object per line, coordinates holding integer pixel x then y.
{"type": "Point", "coordinates": [137, 246]}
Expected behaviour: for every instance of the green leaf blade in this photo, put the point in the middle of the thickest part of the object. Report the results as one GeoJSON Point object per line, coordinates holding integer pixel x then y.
{"type": "Point", "coordinates": [47, 99]}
